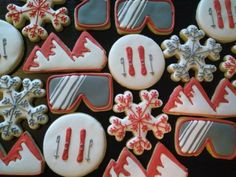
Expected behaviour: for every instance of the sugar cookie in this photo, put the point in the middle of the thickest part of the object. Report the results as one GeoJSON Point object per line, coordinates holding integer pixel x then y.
{"type": "Point", "coordinates": [66, 91]}
{"type": "Point", "coordinates": [132, 16]}
{"type": "Point", "coordinates": [11, 47]}
{"type": "Point", "coordinates": [217, 18]}
{"type": "Point", "coordinates": [23, 159]}
{"type": "Point", "coordinates": [136, 61]}
{"type": "Point", "coordinates": [74, 145]}
{"type": "Point", "coordinates": [192, 100]}
{"type": "Point", "coordinates": [54, 56]}
{"type": "Point", "coordinates": [92, 14]}
{"type": "Point", "coordinates": [16, 105]}
{"type": "Point", "coordinates": [161, 164]}
{"type": "Point", "coordinates": [192, 135]}
{"type": "Point", "coordinates": [37, 12]}
{"type": "Point", "coordinates": [138, 120]}
{"type": "Point", "coordinates": [191, 55]}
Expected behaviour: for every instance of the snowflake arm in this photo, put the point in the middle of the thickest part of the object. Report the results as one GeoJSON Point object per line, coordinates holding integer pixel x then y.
{"type": "Point", "coordinates": [38, 12]}
{"type": "Point", "coordinates": [229, 65]}
{"type": "Point", "coordinates": [16, 106]}
{"type": "Point", "coordinates": [191, 55]}
{"type": "Point", "coordinates": [138, 120]}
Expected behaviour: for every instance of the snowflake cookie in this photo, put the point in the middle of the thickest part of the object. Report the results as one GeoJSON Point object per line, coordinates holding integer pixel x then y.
{"type": "Point", "coordinates": [37, 12]}
{"type": "Point", "coordinates": [16, 106]}
{"type": "Point", "coordinates": [138, 120]}
{"type": "Point", "coordinates": [191, 55]}
{"type": "Point", "coordinates": [229, 64]}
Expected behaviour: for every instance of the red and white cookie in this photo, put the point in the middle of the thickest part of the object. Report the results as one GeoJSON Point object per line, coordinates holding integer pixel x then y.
{"type": "Point", "coordinates": [92, 14]}
{"type": "Point", "coordinates": [54, 56]}
{"type": "Point", "coordinates": [74, 145]}
{"type": "Point", "coordinates": [161, 164]}
{"type": "Point", "coordinates": [24, 158]}
{"type": "Point", "coordinates": [11, 48]}
{"type": "Point", "coordinates": [132, 16]}
{"type": "Point", "coordinates": [37, 12]}
{"type": "Point", "coordinates": [138, 120]}
{"type": "Point", "coordinates": [192, 100]}
{"type": "Point", "coordinates": [136, 61]}
{"type": "Point", "coordinates": [66, 91]}
{"type": "Point", "coordinates": [229, 64]}
{"type": "Point", "coordinates": [217, 18]}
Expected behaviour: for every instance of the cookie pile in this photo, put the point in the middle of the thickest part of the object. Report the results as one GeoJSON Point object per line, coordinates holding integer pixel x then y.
{"type": "Point", "coordinates": [83, 82]}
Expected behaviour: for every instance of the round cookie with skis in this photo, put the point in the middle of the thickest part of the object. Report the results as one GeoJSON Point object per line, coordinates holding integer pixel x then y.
{"type": "Point", "coordinates": [136, 61]}
{"type": "Point", "coordinates": [74, 145]}
{"type": "Point", "coordinates": [217, 18]}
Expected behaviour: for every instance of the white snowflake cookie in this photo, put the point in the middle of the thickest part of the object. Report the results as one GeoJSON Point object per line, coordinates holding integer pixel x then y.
{"type": "Point", "coordinates": [74, 145]}
{"type": "Point", "coordinates": [16, 105]}
{"type": "Point", "coordinates": [37, 12]}
{"type": "Point", "coordinates": [138, 120]}
{"type": "Point", "coordinates": [191, 55]}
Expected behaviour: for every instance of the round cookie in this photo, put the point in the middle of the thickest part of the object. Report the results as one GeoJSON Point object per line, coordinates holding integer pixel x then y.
{"type": "Point", "coordinates": [74, 145]}
{"type": "Point", "coordinates": [217, 18]}
{"type": "Point", "coordinates": [11, 47]}
{"type": "Point", "coordinates": [136, 61]}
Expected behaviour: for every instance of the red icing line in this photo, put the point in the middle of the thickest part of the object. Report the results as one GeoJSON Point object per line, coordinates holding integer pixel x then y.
{"type": "Point", "coordinates": [218, 12]}
{"type": "Point", "coordinates": [67, 144]}
{"type": "Point", "coordinates": [141, 52]}
{"type": "Point", "coordinates": [81, 147]}
{"type": "Point", "coordinates": [129, 52]}
{"type": "Point", "coordinates": [228, 6]}
{"type": "Point", "coordinates": [14, 153]}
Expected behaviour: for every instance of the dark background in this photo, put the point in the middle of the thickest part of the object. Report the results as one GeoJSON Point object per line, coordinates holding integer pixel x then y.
{"type": "Point", "coordinates": [203, 165]}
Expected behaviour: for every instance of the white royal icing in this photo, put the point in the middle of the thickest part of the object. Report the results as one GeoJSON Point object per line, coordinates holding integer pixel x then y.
{"type": "Point", "coordinates": [11, 47]}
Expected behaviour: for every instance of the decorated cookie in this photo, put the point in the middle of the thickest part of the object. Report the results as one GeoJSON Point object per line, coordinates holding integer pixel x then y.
{"type": "Point", "coordinates": [37, 12]}
{"type": "Point", "coordinates": [192, 100]}
{"type": "Point", "coordinates": [138, 120]}
{"type": "Point", "coordinates": [192, 135]}
{"type": "Point", "coordinates": [161, 164]}
{"type": "Point", "coordinates": [132, 16]}
{"type": "Point", "coordinates": [229, 64]}
{"type": "Point", "coordinates": [191, 55]}
{"type": "Point", "coordinates": [217, 18]}
{"type": "Point", "coordinates": [24, 158]}
{"type": "Point", "coordinates": [17, 105]}
{"type": "Point", "coordinates": [74, 145]}
{"type": "Point", "coordinates": [54, 56]}
{"type": "Point", "coordinates": [65, 92]}
{"type": "Point", "coordinates": [11, 47]}
{"type": "Point", "coordinates": [136, 61]}
{"type": "Point", "coordinates": [92, 14]}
